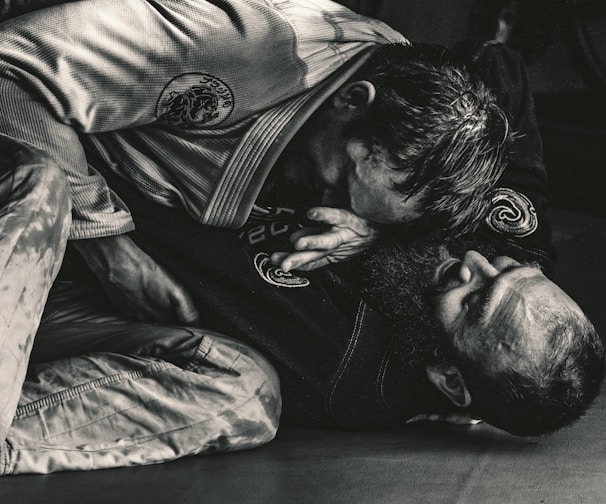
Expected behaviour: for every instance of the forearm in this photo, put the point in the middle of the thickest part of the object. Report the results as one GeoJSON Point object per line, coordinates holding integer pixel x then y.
{"type": "Point", "coordinates": [103, 252]}
{"type": "Point", "coordinates": [517, 224]}
{"type": "Point", "coordinates": [135, 283]}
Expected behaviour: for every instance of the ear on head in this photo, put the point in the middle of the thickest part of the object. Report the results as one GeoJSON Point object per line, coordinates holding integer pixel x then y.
{"type": "Point", "coordinates": [448, 380]}
{"type": "Point", "coordinates": [354, 95]}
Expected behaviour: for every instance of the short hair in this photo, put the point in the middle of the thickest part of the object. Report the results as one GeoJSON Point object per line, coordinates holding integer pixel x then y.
{"type": "Point", "coordinates": [440, 123]}
{"type": "Point", "coordinates": [542, 396]}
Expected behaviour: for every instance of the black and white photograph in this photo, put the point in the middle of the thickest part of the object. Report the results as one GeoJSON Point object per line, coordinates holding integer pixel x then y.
{"type": "Point", "coordinates": [302, 251]}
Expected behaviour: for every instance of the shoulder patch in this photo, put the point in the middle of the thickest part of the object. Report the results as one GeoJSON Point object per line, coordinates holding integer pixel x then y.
{"type": "Point", "coordinates": [276, 276]}
{"type": "Point", "coordinates": [195, 99]}
{"type": "Point", "coordinates": [512, 213]}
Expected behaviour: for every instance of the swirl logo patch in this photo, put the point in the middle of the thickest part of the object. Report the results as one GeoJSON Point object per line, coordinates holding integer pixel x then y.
{"type": "Point", "coordinates": [276, 276]}
{"type": "Point", "coordinates": [195, 99]}
{"type": "Point", "coordinates": [512, 213]}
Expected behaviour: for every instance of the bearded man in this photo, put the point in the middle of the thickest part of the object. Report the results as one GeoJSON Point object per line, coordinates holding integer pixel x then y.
{"type": "Point", "coordinates": [494, 339]}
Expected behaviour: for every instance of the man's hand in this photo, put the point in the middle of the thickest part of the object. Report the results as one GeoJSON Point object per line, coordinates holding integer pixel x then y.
{"type": "Point", "coordinates": [135, 284]}
{"type": "Point", "coordinates": [348, 235]}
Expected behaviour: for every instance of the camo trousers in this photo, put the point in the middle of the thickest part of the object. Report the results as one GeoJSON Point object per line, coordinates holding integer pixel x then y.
{"type": "Point", "coordinates": [34, 222]}
{"type": "Point", "coordinates": [102, 391]}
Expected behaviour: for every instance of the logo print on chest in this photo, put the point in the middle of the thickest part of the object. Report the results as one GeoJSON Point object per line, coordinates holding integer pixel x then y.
{"type": "Point", "coordinates": [512, 213]}
{"type": "Point", "coordinates": [276, 276]}
{"type": "Point", "coordinates": [195, 99]}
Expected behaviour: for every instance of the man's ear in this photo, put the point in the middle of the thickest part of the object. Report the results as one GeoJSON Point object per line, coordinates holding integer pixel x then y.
{"type": "Point", "coordinates": [448, 380]}
{"type": "Point", "coordinates": [355, 95]}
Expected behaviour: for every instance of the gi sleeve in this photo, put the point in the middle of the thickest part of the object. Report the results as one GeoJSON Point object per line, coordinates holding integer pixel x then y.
{"type": "Point", "coordinates": [70, 70]}
{"type": "Point", "coordinates": [87, 68]}
{"type": "Point", "coordinates": [101, 68]}
{"type": "Point", "coordinates": [517, 224]}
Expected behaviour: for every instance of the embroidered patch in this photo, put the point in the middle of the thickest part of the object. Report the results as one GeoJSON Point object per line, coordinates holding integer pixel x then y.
{"type": "Point", "coordinates": [276, 276]}
{"type": "Point", "coordinates": [512, 213]}
{"type": "Point", "coordinates": [195, 99]}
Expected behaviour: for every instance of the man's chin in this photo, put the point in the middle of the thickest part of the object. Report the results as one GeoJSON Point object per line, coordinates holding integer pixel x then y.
{"type": "Point", "coordinates": [335, 198]}
{"type": "Point", "coordinates": [399, 279]}
{"type": "Point", "coordinates": [400, 282]}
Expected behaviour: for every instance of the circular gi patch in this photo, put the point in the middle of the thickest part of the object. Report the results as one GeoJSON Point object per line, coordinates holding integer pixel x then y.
{"type": "Point", "coordinates": [195, 99]}
{"type": "Point", "coordinates": [276, 276]}
{"type": "Point", "coordinates": [512, 213]}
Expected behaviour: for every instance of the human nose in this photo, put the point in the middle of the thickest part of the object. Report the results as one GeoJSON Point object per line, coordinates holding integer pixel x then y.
{"type": "Point", "coordinates": [476, 268]}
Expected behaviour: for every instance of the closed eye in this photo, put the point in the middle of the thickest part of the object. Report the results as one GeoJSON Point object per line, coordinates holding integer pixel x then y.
{"type": "Point", "coordinates": [407, 188]}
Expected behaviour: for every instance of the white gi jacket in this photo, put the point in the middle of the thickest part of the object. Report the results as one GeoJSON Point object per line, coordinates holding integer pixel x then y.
{"type": "Point", "coordinates": [193, 101]}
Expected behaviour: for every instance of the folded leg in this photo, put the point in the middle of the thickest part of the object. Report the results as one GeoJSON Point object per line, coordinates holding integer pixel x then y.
{"type": "Point", "coordinates": [202, 393]}
{"type": "Point", "coordinates": [34, 222]}
{"type": "Point", "coordinates": [105, 392]}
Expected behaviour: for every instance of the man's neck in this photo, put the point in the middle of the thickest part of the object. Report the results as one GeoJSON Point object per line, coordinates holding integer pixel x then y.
{"type": "Point", "coordinates": [291, 182]}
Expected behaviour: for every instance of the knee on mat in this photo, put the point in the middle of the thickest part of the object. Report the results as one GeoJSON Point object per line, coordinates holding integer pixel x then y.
{"type": "Point", "coordinates": [255, 382]}
{"type": "Point", "coordinates": [270, 400]}
{"type": "Point", "coordinates": [266, 401]}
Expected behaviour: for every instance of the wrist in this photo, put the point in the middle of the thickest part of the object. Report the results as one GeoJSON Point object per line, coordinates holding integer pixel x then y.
{"type": "Point", "coordinates": [100, 253]}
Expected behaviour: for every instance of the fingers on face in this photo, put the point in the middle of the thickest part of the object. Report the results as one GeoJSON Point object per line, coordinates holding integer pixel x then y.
{"type": "Point", "coordinates": [327, 215]}
{"type": "Point", "coordinates": [303, 261]}
{"type": "Point", "coordinates": [324, 241]}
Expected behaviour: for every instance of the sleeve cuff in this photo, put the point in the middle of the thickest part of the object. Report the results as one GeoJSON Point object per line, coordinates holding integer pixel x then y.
{"type": "Point", "coordinates": [83, 230]}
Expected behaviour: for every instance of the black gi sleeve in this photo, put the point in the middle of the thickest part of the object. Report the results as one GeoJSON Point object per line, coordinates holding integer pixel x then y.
{"type": "Point", "coordinates": [517, 224]}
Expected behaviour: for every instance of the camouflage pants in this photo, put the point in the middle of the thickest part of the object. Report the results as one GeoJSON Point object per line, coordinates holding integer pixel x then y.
{"type": "Point", "coordinates": [34, 222]}
{"type": "Point", "coordinates": [101, 391]}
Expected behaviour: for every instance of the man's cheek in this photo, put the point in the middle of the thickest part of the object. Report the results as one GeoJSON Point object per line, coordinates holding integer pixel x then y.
{"type": "Point", "coordinates": [362, 204]}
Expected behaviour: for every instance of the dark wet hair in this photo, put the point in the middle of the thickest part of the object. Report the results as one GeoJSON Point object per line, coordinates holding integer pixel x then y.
{"type": "Point", "coordinates": [432, 118]}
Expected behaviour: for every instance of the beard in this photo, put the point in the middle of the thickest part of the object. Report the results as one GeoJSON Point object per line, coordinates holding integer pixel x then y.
{"type": "Point", "coordinates": [397, 280]}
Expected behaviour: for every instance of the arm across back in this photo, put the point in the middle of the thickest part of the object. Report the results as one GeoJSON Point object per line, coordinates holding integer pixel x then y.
{"type": "Point", "coordinates": [517, 224]}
